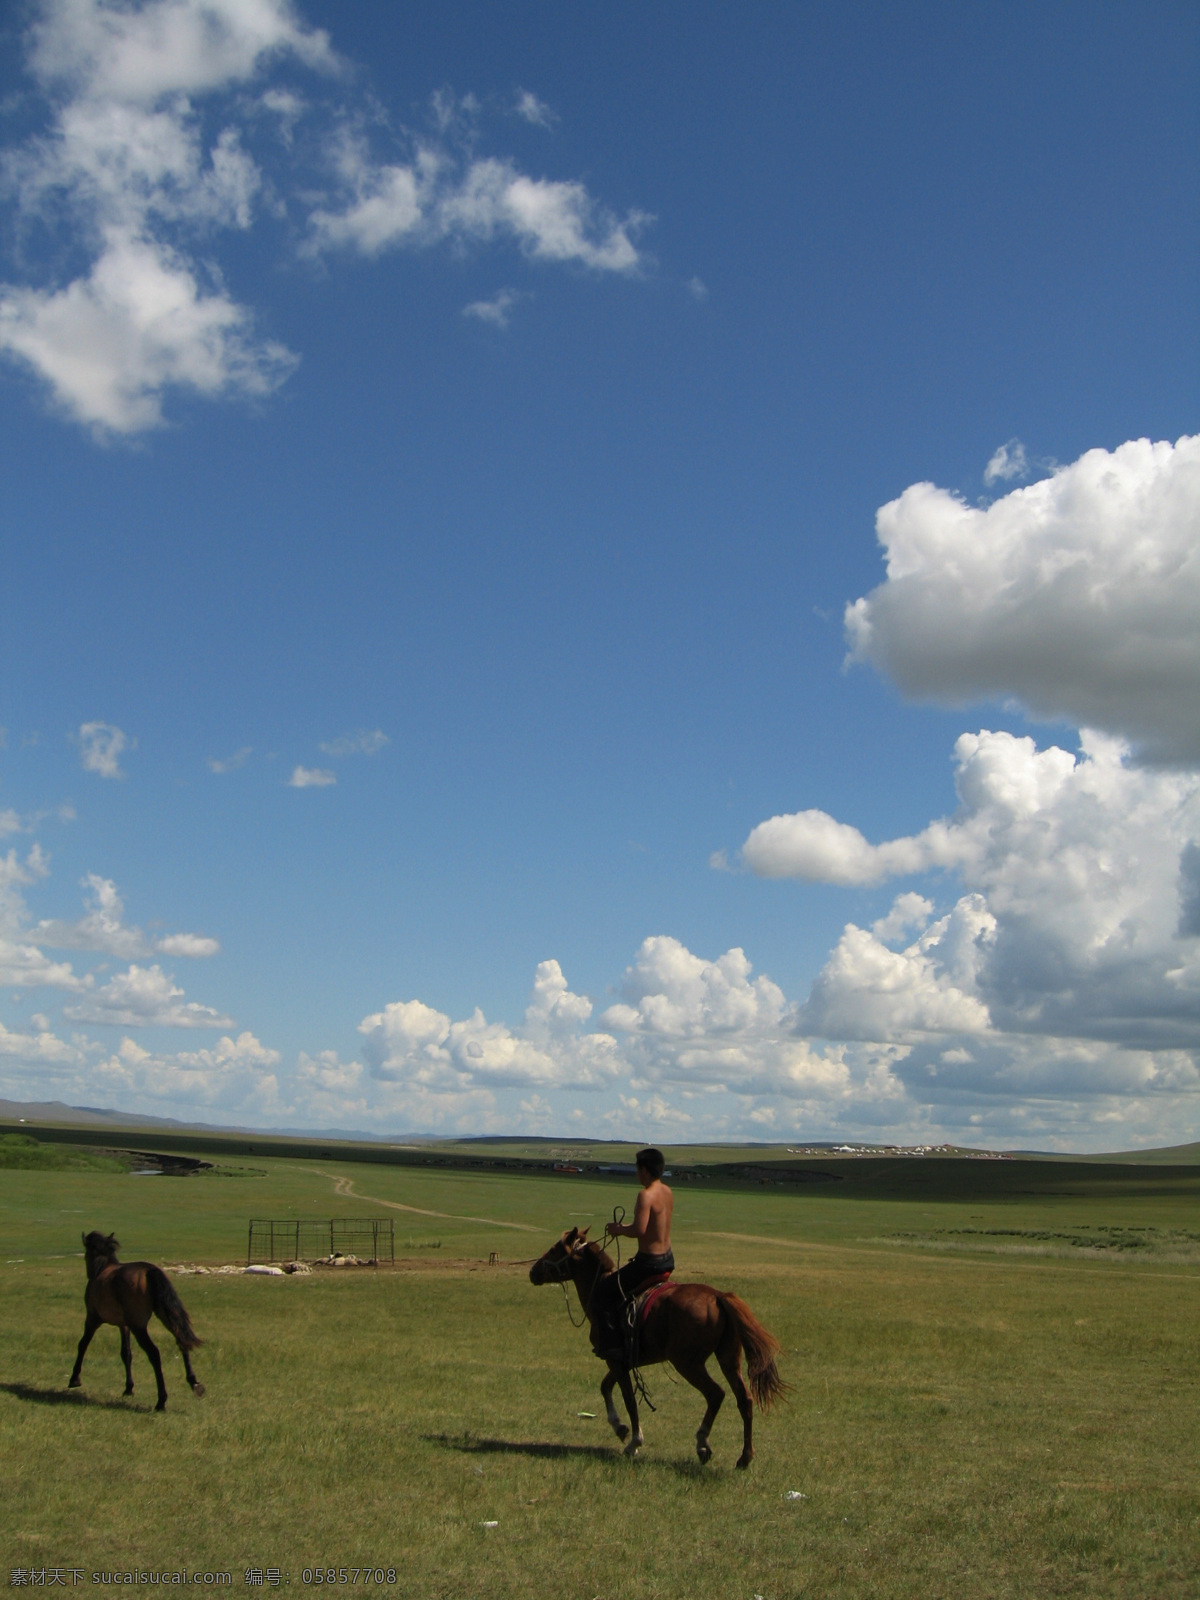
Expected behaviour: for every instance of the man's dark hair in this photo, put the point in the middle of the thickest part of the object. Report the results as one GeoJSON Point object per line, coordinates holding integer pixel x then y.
{"type": "Point", "coordinates": [652, 1160]}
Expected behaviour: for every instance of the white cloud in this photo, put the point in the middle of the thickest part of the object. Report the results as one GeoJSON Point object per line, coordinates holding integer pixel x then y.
{"type": "Point", "coordinates": [311, 778]}
{"type": "Point", "coordinates": [22, 964]}
{"type": "Point", "coordinates": [551, 221]}
{"type": "Point", "coordinates": [497, 310]}
{"type": "Point", "coordinates": [112, 343]}
{"type": "Point", "coordinates": [235, 1076]}
{"type": "Point", "coordinates": [123, 162]}
{"type": "Point", "coordinates": [144, 997]}
{"type": "Point", "coordinates": [435, 198]}
{"type": "Point", "coordinates": [708, 1026]}
{"type": "Point", "coordinates": [192, 945]}
{"type": "Point", "coordinates": [183, 47]}
{"type": "Point", "coordinates": [1070, 968]}
{"type": "Point", "coordinates": [1008, 462]}
{"type": "Point", "coordinates": [866, 991]}
{"type": "Point", "coordinates": [412, 1044]}
{"type": "Point", "coordinates": [100, 747]}
{"type": "Point", "coordinates": [381, 205]}
{"type": "Point", "coordinates": [531, 109]}
{"type": "Point", "coordinates": [40, 1048]}
{"type": "Point", "coordinates": [1077, 596]}
{"type": "Point", "coordinates": [908, 911]}
{"type": "Point", "coordinates": [103, 929]}
{"type": "Point", "coordinates": [231, 763]}
{"type": "Point", "coordinates": [128, 176]}
{"type": "Point", "coordinates": [814, 845]}
{"type": "Point", "coordinates": [697, 288]}
{"type": "Point", "coordinates": [362, 742]}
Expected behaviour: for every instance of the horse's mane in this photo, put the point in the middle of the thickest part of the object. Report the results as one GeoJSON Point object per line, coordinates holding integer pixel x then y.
{"type": "Point", "coordinates": [607, 1264]}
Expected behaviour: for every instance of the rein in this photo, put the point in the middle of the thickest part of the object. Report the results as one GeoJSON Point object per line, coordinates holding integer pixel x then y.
{"type": "Point", "coordinates": [561, 1270]}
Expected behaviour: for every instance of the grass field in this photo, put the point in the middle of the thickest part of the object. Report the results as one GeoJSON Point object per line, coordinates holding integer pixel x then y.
{"type": "Point", "coordinates": [993, 1393]}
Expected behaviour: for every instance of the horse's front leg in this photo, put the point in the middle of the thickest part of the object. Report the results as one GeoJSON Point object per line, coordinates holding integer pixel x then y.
{"type": "Point", "coordinates": [636, 1442]}
{"type": "Point", "coordinates": [606, 1389]}
{"type": "Point", "coordinates": [127, 1358]}
{"type": "Point", "coordinates": [89, 1330]}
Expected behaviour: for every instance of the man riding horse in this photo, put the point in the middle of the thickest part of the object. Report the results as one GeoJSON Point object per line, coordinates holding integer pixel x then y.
{"type": "Point", "coordinates": [651, 1227]}
{"type": "Point", "coordinates": [683, 1323]}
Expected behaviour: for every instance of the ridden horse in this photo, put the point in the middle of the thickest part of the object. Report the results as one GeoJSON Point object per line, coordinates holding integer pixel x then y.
{"type": "Point", "coordinates": [127, 1295]}
{"type": "Point", "coordinates": [687, 1323]}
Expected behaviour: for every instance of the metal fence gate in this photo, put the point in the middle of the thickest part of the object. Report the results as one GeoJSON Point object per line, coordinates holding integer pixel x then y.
{"type": "Point", "coordinates": [316, 1238]}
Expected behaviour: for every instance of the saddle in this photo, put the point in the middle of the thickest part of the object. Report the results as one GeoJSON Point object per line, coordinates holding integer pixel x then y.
{"type": "Point", "coordinates": [635, 1311]}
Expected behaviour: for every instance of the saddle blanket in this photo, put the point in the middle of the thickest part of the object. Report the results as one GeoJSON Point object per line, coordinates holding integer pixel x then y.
{"type": "Point", "coordinates": [646, 1297]}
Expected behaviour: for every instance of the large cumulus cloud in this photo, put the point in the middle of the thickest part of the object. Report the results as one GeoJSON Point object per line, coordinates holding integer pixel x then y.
{"type": "Point", "coordinates": [1077, 596]}
{"type": "Point", "coordinates": [1065, 967]}
{"type": "Point", "coordinates": [1079, 916]}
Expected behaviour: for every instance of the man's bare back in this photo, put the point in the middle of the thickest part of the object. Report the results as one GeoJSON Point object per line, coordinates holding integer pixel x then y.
{"type": "Point", "coordinates": [652, 1218]}
{"type": "Point", "coordinates": [651, 1225]}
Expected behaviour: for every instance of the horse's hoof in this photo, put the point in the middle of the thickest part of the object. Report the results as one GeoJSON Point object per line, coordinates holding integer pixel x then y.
{"type": "Point", "coordinates": [705, 1453]}
{"type": "Point", "coordinates": [621, 1431]}
{"type": "Point", "coordinates": [161, 1406]}
{"type": "Point", "coordinates": [74, 1383]}
{"type": "Point", "coordinates": [198, 1390]}
{"type": "Point", "coordinates": [743, 1462]}
{"type": "Point", "coordinates": [632, 1449]}
{"type": "Point", "coordinates": [128, 1389]}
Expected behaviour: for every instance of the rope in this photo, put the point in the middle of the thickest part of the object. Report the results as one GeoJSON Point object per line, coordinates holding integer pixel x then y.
{"type": "Point", "coordinates": [635, 1372]}
{"type": "Point", "coordinates": [567, 1301]}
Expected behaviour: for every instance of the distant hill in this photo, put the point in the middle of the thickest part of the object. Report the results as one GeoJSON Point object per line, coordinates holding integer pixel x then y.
{"type": "Point", "coordinates": [1175, 1155]}
{"type": "Point", "coordinates": [54, 1113]}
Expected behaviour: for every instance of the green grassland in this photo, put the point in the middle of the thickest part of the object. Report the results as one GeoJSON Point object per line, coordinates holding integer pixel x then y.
{"type": "Point", "coordinates": [994, 1370]}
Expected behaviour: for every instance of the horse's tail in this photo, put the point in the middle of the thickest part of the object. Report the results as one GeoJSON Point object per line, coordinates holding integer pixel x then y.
{"type": "Point", "coordinates": [760, 1347]}
{"type": "Point", "coordinates": [170, 1310]}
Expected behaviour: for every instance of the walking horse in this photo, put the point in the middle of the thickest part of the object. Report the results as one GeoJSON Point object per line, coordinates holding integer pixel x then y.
{"type": "Point", "coordinates": [684, 1324]}
{"type": "Point", "coordinates": [127, 1295]}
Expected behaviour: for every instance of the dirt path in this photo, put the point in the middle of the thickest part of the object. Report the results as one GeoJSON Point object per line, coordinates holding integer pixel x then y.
{"type": "Point", "coordinates": [345, 1188]}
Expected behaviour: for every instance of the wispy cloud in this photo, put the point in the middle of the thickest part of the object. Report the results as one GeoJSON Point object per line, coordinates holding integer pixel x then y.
{"type": "Point", "coordinates": [233, 762]}
{"type": "Point", "coordinates": [531, 109]}
{"type": "Point", "coordinates": [311, 778]}
{"type": "Point", "coordinates": [100, 748]}
{"type": "Point", "coordinates": [103, 928]}
{"type": "Point", "coordinates": [497, 310]}
{"type": "Point", "coordinates": [362, 742]}
{"type": "Point", "coordinates": [173, 123]}
{"type": "Point", "coordinates": [1008, 462]}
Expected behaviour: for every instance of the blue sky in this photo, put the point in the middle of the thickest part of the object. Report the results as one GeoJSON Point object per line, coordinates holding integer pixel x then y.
{"type": "Point", "coordinates": [439, 451]}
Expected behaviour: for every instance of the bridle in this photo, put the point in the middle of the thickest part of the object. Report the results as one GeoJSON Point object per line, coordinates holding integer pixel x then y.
{"type": "Point", "coordinates": [559, 1271]}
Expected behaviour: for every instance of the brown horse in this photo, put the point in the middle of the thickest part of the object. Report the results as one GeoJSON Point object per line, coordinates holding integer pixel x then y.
{"type": "Point", "coordinates": [687, 1323]}
{"type": "Point", "coordinates": [127, 1296]}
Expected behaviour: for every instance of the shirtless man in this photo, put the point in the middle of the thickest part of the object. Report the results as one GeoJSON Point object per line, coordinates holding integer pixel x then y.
{"type": "Point", "coordinates": [651, 1227]}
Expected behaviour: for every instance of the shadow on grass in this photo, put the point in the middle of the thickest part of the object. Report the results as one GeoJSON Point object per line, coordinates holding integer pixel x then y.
{"type": "Point", "coordinates": [66, 1397]}
{"type": "Point", "coordinates": [469, 1445]}
{"type": "Point", "coordinates": [540, 1450]}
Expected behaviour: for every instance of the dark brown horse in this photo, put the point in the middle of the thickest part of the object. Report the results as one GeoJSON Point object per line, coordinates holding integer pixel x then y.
{"type": "Point", "coordinates": [687, 1323]}
{"type": "Point", "coordinates": [127, 1296]}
